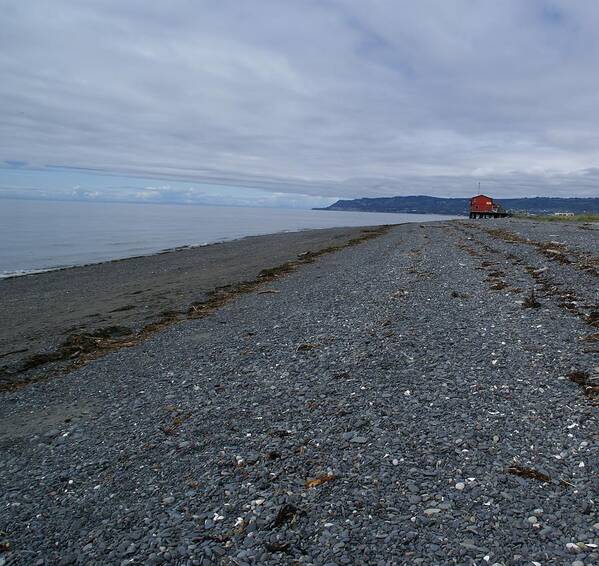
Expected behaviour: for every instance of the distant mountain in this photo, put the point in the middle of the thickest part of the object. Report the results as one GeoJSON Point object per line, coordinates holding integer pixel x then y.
{"type": "Point", "coordinates": [458, 206]}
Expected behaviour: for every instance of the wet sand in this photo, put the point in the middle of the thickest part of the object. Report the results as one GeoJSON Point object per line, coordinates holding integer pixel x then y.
{"type": "Point", "coordinates": [40, 311]}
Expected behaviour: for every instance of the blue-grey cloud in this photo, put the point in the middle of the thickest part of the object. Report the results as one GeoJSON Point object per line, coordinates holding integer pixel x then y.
{"type": "Point", "coordinates": [322, 98]}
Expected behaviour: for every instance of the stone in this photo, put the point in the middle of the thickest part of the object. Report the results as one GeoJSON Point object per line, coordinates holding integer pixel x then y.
{"type": "Point", "coordinates": [431, 512]}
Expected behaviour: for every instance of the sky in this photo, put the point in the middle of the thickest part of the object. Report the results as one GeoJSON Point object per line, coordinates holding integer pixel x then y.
{"type": "Point", "coordinates": [297, 102]}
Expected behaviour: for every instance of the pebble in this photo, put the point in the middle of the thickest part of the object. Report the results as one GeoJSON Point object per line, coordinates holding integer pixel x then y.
{"type": "Point", "coordinates": [432, 511]}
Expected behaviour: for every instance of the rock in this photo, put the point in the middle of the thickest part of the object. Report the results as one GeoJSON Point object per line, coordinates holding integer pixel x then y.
{"type": "Point", "coordinates": [431, 512]}
{"type": "Point", "coordinates": [460, 486]}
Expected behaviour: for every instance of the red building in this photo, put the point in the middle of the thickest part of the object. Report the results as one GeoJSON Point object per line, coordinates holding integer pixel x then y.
{"type": "Point", "coordinates": [482, 206]}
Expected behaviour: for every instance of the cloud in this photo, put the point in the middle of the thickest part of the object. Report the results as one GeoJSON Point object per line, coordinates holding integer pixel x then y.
{"type": "Point", "coordinates": [79, 193]}
{"type": "Point", "coordinates": [318, 98]}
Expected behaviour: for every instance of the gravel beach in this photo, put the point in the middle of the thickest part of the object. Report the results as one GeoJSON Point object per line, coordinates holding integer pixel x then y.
{"type": "Point", "coordinates": [429, 396]}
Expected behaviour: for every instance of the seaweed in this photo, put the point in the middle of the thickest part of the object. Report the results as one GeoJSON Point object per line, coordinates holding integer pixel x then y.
{"type": "Point", "coordinates": [590, 386]}
{"type": "Point", "coordinates": [528, 473]}
{"type": "Point", "coordinates": [286, 514]}
{"type": "Point", "coordinates": [531, 302]}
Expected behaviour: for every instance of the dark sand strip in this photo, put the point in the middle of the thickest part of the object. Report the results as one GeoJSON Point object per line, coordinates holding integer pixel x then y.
{"type": "Point", "coordinates": [66, 315]}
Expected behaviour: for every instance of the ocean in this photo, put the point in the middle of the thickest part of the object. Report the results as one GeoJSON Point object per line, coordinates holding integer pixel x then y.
{"type": "Point", "coordinates": [41, 235]}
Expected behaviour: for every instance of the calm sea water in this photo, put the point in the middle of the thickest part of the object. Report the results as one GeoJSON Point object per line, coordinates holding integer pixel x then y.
{"type": "Point", "coordinates": [41, 235]}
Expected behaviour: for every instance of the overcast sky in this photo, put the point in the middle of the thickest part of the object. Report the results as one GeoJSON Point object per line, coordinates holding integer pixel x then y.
{"type": "Point", "coordinates": [305, 100]}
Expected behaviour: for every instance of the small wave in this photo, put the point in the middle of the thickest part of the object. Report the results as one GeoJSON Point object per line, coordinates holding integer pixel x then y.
{"type": "Point", "coordinates": [22, 272]}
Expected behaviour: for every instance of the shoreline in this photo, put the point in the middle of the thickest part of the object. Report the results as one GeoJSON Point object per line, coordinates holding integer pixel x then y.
{"type": "Point", "coordinates": [28, 273]}
{"type": "Point", "coordinates": [51, 247]}
{"type": "Point", "coordinates": [115, 303]}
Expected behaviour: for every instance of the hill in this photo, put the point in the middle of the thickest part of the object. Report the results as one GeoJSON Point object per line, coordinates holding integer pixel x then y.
{"type": "Point", "coordinates": [436, 205]}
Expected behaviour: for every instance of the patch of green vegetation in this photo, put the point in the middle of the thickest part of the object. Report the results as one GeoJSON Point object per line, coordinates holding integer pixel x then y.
{"type": "Point", "coordinates": [551, 218]}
